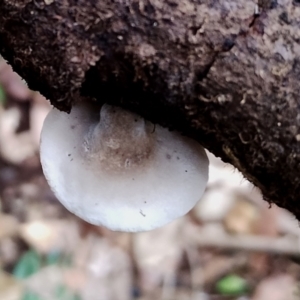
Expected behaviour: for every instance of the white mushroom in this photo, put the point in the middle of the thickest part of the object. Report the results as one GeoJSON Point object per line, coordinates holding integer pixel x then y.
{"type": "Point", "coordinates": [121, 171]}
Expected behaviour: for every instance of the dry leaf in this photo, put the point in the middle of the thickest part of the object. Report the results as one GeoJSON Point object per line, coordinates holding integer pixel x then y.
{"type": "Point", "coordinates": [280, 287]}
{"type": "Point", "coordinates": [51, 235]}
{"type": "Point", "coordinates": [242, 218]}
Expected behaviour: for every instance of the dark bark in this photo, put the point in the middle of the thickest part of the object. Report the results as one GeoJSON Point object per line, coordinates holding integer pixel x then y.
{"type": "Point", "coordinates": [211, 69]}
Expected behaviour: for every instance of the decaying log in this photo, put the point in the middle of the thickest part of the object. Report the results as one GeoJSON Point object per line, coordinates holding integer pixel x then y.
{"type": "Point", "coordinates": [224, 72]}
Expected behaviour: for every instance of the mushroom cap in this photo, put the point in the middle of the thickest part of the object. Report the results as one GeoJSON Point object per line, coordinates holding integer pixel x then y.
{"type": "Point", "coordinates": [157, 189]}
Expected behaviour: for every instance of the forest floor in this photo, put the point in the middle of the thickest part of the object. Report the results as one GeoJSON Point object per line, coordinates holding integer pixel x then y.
{"type": "Point", "coordinates": [231, 246]}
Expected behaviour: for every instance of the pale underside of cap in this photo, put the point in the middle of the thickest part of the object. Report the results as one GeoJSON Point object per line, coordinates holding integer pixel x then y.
{"type": "Point", "coordinates": [134, 199]}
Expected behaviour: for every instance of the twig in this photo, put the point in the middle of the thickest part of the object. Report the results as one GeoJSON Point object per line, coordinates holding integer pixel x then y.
{"type": "Point", "coordinates": [281, 245]}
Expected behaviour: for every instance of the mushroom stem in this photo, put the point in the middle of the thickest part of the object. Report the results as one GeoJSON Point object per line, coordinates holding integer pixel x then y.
{"type": "Point", "coordinates": [119, 140]}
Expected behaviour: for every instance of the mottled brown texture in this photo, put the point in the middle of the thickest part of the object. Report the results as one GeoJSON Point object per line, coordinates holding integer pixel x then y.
{"type": "Point", "coordinates": [212, 69]}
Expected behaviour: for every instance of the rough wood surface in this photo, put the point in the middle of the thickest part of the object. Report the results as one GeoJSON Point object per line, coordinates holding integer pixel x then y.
{"type": "Point", "coordinates": [210, 68]}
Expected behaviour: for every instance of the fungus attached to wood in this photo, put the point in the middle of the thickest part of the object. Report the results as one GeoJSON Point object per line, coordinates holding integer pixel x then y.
{"type": "Point", "coordinates": [117, 171]}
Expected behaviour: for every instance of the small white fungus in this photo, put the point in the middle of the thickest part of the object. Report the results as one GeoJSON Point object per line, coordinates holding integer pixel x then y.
{"type": "Point", "coordinates": [120, 171]}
